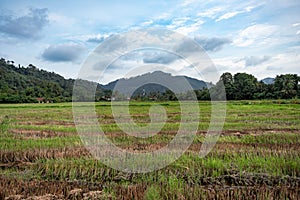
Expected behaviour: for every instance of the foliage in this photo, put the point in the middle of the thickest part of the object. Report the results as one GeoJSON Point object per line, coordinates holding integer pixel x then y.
{"type": "Point", "coordinates": [30, 84]}
{"type": "Point", "coordinates": [244, 86]}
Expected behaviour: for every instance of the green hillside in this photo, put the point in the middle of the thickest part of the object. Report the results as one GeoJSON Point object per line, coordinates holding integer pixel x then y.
{"type": "Point", "coordinates": [30, 84]}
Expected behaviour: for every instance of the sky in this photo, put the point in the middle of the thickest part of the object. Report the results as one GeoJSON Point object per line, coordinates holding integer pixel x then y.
{"type": "Point", "coordinates": [256, 36]}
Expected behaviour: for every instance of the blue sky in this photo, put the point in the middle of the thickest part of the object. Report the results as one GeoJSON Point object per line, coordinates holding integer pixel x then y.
{"type": "Point", "coordinates": [257, 37]}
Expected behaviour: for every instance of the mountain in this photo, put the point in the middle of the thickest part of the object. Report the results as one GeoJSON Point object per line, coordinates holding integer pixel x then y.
{"type": "Point", "coordinates": [154, 82]}
{"type": "Point", "coordinates": [30, 84]}
{"type": "Point", "coordinates": [268, 81]}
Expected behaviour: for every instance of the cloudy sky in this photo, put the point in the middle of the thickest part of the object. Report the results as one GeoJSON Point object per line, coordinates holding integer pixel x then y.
{"type": "Point", "coordinates": [256, 36]}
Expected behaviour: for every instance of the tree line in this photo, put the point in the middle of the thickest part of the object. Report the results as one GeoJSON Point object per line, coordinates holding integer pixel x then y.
{"type": "Point", "coordinates": [240, 86]}
{"type": "Point", "coordinates": [243, 86]}
{"type": "Point", "coordinates": [19, 84]}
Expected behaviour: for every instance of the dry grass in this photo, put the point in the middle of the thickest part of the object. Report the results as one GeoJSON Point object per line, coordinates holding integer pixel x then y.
{"type": "Point", "coordinates": [257, 155]}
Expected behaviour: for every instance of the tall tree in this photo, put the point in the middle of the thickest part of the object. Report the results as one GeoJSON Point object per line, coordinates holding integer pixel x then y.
{"type": "Point", "coordinates": [286, 86]}
{"type": "Point", "coordinates": [227, 79]}
{"type": "Point", "coordinates": [245, 86]}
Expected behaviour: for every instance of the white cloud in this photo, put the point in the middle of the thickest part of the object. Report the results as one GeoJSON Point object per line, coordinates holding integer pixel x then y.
{"type": "Point", "coordinates": [147, 23]}
{"type": "Point", "coordinates": [231, 14]}
{"type": "Point", "coordinates": [228, 15]}
{"type": "Point", "coordinates": [255, 35]}
{"type": "Point", "coordinates": [178, 22]}
{"type": "Point", "coordinates": [210, 13]}
{"type": "Point", "coordinates": [191, 28]}
{"type": "Point", "coordinates": [163, 16]}
{"type": "Point", "coordinates": [225, 64]}
{"type": "Point", "coordinates": [285, 63]}
{"type": "Point", "coordinates": [296, 24]}
{"type": "Point", "coordinates": [187, 2]}
{"type": "Point", "coordinates": [229, 63]}
{"type": "Point", "coordinates": [249, 8]}
{"type": "Point", "coordinates": [281, 63]}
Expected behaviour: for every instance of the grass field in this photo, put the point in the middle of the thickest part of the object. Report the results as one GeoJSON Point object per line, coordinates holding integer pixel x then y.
{"type": "Point", "coordinates": [256, 157]}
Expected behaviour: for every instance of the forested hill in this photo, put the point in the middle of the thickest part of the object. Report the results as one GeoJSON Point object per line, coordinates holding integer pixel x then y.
{"type": "Point", "coordinates": [30, 84]}
{"type": "Point", "coordinates": [148, 87]}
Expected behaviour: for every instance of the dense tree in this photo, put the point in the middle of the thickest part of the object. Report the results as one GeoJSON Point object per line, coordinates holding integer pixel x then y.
{"type": "Point", "coordinates": [227, 80]}
{"type": "Point", "coordinates": [245, 86]}
{"type": "Point", "coordinates": [26, 84]}
{"type": "Point", "coordinates": [169, 95]}
{"type": "Point", "coordinates": [202, 94]}
{"type": "Point", "coordinates": [286, 86]}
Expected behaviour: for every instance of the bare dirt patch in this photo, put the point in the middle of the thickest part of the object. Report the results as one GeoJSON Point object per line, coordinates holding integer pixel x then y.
{"type": "Point", "coordinates": [35, 154]}
{"type": "Point", "coordinates": [39, 133]}
{"type": "Point", "coordinates": [50, 122]}
{"type": "Point", "coordinates": [231, 186]}
{"type": "Point", "coordinates": [255, 132]}
{"type": "Point", "coordinates": [34, 189]}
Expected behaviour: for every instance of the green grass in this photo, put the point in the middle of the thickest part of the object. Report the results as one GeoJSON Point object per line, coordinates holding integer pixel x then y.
{"type": "Point", "coordinates": [189, 166]}
{"type": "Point", "coordinates": [51, 127]}
{"type": "Point", "coordinates": [11, 143]}
{"type": "Point", "coordinates": [261, 138]}
{"type": "Point", "coordinates": [257, 115]}
{"type": "Point", "coordinates": [280, 138]}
